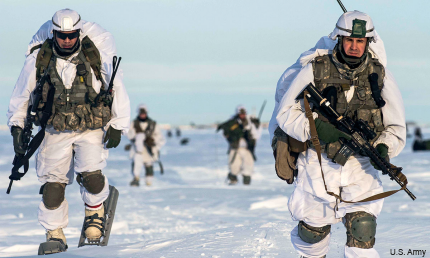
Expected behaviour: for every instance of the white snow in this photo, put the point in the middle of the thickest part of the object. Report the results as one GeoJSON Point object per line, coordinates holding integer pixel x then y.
{"type": "Point", "coordinates": [190, 211]}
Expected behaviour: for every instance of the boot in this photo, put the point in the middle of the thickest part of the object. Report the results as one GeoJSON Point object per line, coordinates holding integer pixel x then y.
{"type": "Point", "coordinates": [55, 242]}
{"type": "Point", "coordinates": [232, 179]}
{"type": "Point", "coordinates": [95, 224]}
{"type": "Point", "coordinates": [56, 235]}
{"type": "Point", "coordinates": [246, 180]}
{"type": "Point", "coordinates": [148, 180]}
{"type": "Point", "coordinates": [135, 182]}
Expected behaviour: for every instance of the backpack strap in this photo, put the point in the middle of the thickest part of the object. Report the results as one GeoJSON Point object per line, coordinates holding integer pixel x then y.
{"type": "Point", "coordinates": [34, 48]}
{"type": "Point", "coordinates": [92, 55]}
{"type": "Point", "coordinates": [136, 125]}
{"type": "Point", "coordinates": [43, 57]}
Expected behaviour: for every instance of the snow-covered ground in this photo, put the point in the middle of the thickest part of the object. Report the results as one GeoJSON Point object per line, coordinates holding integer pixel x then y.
{"type": "Point", "coordinates": [190, 211]}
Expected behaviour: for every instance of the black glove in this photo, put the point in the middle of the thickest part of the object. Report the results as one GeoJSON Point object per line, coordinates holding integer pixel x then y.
{"type": "Point", "coordinates": [17, 140]}
{"type": "Point", "coordinates": [256, 122]}
{"type": "Point", "coordinates": [328, 132]}
{"type": "Point", "coordinates": [382, 149]}
{"type": "Point", "coordinates": [113, 136]}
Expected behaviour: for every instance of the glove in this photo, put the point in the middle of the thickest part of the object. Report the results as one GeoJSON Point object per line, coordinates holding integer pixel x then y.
{"type": "Point", "coordinates": [17, 140]}
{"type": "Point", "coordinates": [256, 122]}
{"type": "Point", "coordinates": [127, 147]}
{"type": "Point", "coordinates": [328, 132]}
{"type": "Point", "coordinates": [113, 137]}
{"type": "Point", "coordinates": [382, 149]}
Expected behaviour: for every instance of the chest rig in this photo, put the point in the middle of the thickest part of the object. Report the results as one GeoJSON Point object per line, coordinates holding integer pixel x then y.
{"type": "Point", "coordinates": [149, 130]}
{"type": "Point", "coordinates": [362, 106]}
{"type": "Point", "coordinates": [75, 108]}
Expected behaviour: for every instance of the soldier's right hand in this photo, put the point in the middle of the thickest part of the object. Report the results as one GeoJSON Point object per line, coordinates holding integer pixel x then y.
{"type": "Point", "coordinates": [18, 144]}
{"type": "Point", "coordinates": [328, 132]}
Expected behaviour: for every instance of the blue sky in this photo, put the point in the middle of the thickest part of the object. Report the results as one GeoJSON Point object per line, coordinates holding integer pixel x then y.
{"type": "Point", "coordinates": [194, 61]}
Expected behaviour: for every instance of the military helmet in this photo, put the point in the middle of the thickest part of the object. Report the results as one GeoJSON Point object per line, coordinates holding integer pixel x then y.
{"type": "Point", "coordinates": [354, 24]}
{"type": "Point", "coordinates": [66, 20]}
{"type": "Point", "coordinates": [240, 109]}
{"type": "Point", "coordinates": [142, 108]}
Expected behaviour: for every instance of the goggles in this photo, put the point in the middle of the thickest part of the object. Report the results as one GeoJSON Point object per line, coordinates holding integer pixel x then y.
{"type": "Point", "coordinates": [63, 36]}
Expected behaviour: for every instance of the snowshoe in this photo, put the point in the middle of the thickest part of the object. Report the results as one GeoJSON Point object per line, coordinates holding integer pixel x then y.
{"type": "Point", "coordinates": [106, 223]}
{"type": "Point", "coordinates": [52, 247]}
{"type": "Point", "coordinates": [55, 243]}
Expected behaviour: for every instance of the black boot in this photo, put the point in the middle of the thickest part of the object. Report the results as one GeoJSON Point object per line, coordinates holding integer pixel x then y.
{"type": "Point", "coordinates": [246, 180]}
{"type": "Point", "coordinates": [232, 179]}
{"type": "Point", "coordinates": [135, 182]}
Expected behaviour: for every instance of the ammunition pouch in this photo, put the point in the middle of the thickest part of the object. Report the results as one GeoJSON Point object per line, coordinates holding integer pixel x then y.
{"type": "Point", "coordinates": [286, 151]}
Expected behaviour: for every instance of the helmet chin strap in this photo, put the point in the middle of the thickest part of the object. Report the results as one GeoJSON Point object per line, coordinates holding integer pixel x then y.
{"type": "Point", "coordinates": [351, 61]}
{"type": "Point", "coordinates": [65, 52]}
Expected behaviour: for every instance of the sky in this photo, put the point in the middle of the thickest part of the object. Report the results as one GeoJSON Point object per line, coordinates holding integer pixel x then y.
{"type": "Point", "coordinates": [196, 60]}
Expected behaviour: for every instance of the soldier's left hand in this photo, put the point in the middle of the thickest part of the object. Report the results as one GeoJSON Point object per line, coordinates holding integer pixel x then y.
{"type": "Point", "coordinates": [382, 149]}
{"type": "Point", "coordinates": [112, 137]}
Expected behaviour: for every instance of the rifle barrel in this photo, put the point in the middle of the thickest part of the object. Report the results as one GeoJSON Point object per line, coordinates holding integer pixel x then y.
{"type": "Point", "coordinates": [342, 6]}
{"type": "Point", "coordinates": [10, 186]}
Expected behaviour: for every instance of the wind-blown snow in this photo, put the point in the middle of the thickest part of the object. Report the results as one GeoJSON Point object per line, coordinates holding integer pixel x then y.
{"type": "Point", "coordinates": [190, 211]}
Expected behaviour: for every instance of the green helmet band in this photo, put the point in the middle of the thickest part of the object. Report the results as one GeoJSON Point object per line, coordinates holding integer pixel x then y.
{"type": "Point", "coordinates": [358, 29]}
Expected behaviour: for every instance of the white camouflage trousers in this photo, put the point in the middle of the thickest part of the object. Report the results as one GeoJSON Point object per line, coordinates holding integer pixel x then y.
{"type": "Point", "coordinates": [241, 162]}
{"type": "Point", "coordinates": [61, 154]}
{"type": "Point", "coordinates": [143, 158]}
{"type": "Point", "coordinates": [310, 203]}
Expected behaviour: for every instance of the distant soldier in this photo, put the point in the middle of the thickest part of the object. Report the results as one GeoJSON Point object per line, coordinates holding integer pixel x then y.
{"type": "Point", "coordinates": [147, 140]}
{"type": "Point", "coordinates": [419, 143]}
{"type": "Point", "coordinates": [169, 133]}
{"type": "Point", "coordinates": [242, 132]}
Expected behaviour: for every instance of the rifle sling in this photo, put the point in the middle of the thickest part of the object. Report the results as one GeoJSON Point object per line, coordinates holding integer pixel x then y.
{"type": "Point", "coordinates": [315, 141]}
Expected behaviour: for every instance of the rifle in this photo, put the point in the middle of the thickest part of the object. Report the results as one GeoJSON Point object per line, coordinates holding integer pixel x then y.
{"type": "Point", "coordinates": [31, 146]}
{"type": "Point", "coordinates": [360, 133]}
{"type": "Point", "coordinates": [106, 95]}
{"type": "Point", "coordinates": [342, 6]}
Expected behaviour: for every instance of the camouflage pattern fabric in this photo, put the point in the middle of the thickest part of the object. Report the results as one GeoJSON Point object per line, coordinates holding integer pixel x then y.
{"type": "Point", "coordinates": [75, 109]}
{"type": "Point", "coordinates": [332, 76]}
{"type": "Point", "coordinates": [351, 241]}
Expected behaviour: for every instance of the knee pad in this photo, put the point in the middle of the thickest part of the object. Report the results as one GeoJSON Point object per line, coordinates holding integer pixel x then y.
{"type": "Point", "coordinates": [360, 229]}
{"type": "Point", "coordinates": [94, 181]}
{"type": "Point", "coordinates": [246, 180]}
{"type": "Point", "coordinates": [52, 194]}
{"type": "Point", "coordinates": [149, 171]}
{"type": "Point", "coordinates": [311, 234]}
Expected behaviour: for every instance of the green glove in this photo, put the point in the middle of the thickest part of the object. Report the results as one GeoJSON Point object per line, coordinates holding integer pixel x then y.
{"type": "Point", "coordinates": [17, 140]}
{"type": "Point", "coordinates": [328, 132]}
{"type": "Point", "coordinates": [382, 149]}
{"type": "Point", "coordinates": [113, 136]}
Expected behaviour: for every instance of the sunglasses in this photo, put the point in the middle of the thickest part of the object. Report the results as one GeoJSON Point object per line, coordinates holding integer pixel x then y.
{"type": "Point", "coordinates": [63, 36]}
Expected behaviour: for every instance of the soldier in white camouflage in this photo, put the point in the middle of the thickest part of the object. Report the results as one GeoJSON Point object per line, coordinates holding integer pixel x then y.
{"type": "Point", "coordinates": [82, 126]}
{"type": "Point", "coordinates": [349, 68]}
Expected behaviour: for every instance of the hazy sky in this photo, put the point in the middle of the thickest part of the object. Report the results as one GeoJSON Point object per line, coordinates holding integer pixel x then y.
{"type": "Point", "coordinates": [195, 60]}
